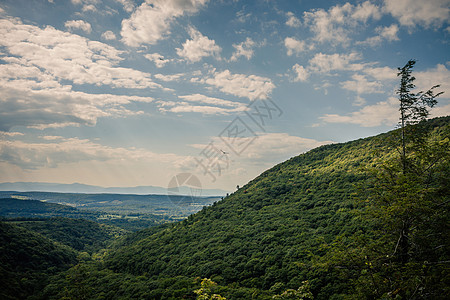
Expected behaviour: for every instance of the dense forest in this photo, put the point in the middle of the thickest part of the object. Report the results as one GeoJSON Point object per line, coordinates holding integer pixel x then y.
{"type": "Point", "coordinates": [327, 224]}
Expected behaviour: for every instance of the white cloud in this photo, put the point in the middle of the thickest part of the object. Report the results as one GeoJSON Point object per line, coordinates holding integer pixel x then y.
{"type": "Point", "coordinates": [292, 21]}
{"type": "Point", "coordinates": [381, 73]}
{"type": "Point", "coordinates": [438, 75]}
{"type": "Point", "coordinates": [381, 113]}
{"type": "Point", "coordinates": [426, 13]}
{"type": "Point", "coordinates": [184, 107]}
{"type": "Point", "coordinates": [198, 47]}
{"type": "Point", "coordinates": [79, 24]}
{"type": "Point", "coordinates": [211, 100]}
{"type": "Point", "coordinates": [203, 104]}
{"type": "Point", "coordinates": [172, 77]}
{"type": "Point", "coordinates": [301, 73]}
{"type": "Point", "coordinates": [27, 103]}
{"type": "Point", "coordinates": [67, 56]}
{"type": "Point", "coordinates": [108, 35]}
{"type": "Point", "coordinates": [158, 59]}
{"type": "Point", "coordinates": [324, 63]}
{"type": "Point", "coordinates": [361, 85]}
{"type": "Point", "coordinates": [440, 111]}
{"type": "Point", "coordinates": [384, 33]}
{"type": "Point", "coordinates": [151, 21]}
{"type": "Point", "coordinates": [31, 156]}
{"type": "Point", "coordinates": [10, 134]}
{"type": "Point", "coordinates": [87, 5]}
{"type": "Point", "coordinates": [249, 86]}
{"type": "Point", "coordinates": [366, 10]}
{"type": "Point", "coordinates": [293, 46]}
{"type": "Point", "coordinates": [243, 49]}
{"type": "Point", "coordinates": [128, 5]}
{"type": "Point", "coordinates": [336, 24]}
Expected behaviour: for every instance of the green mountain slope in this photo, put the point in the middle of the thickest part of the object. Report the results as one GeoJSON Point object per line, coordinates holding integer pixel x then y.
{"type": "Point", "coordinates": [27, 259]}
{"type": "Point", "coordinates": [79, 234]}
{"type": "Point", "coordinates": [267, 234]}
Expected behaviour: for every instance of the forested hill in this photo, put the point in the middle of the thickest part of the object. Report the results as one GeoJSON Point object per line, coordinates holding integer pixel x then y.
{"type": "Point", "coordinates": [300, 230]}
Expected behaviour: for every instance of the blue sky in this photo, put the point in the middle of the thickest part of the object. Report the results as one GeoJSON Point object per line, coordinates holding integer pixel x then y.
{"type": "Point", "coordinates": [127, 93]}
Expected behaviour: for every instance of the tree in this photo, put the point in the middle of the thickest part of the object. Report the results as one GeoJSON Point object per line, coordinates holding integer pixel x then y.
{"type": "Point", "coordinates": [402, 247]}
{"type": "Point", "coordinates": [408, 203]}
{"type": "Point", "coordinates": [204, 293]}
{"type": "Point", "coordinates": [413, 106]}
{"type": "Point", "coordinates": [302, 293]}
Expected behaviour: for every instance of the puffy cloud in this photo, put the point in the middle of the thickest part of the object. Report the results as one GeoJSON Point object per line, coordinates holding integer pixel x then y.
{"type": "Point", "coordinates": [438, 75]}
{"type": "Point", "coordinates": [426, 13]}
{"type": "Point", "coordinates": [36, 62]}
{"type": "Point", "coordinates": [292, 21]}
{"type": "Point", "coordinates": [68, 56]}
{"type": "Point", "coordinates": [249, 86]}
{"type": "Point", "coordinates": [381, 113]}
{"type": "Point", "coordinates": [87, 5]}
{"type": "Point", "coordinates": [301, 73]}
{"type": "Point", "coordinates": [243, 49]}
{"type": "Point", "coordinates": [158, 59]}
{"type": "Point", "coordinates": [361, 85]}
{"type": "Point", "coordinates": [293, 46]}
{"type": "Point", "coordinates": [128, 5]}
{"type": "Point", "coordinates": [27, 103]}
{"type": "Point", "coordinates": [381, 73]}
{"type": "Point", "coordinates": [198, 47]}
{"type": "Point", "coordinates": [108, 35]}
{"type": "Point", "coordinates": [384, 33]}
{"type": "Point", "coordinates": [324, 63]}
{"type": "Point", "coordinates": [79, 24]}
{"type": "Point", "coordinates": [336, 24]}
{"type": "Point", "coordinates": [151, 21]}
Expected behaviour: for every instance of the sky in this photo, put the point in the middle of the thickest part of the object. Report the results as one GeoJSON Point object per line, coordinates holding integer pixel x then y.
{"type": "Point", "coordinates": [131, 92]}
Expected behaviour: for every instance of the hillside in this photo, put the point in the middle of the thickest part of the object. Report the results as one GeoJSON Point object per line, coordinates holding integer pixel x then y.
{"type": "Point", "coordinates": [269, 232]}
{"type": "Point", "coordinates": [27, 259]}
{"type": "Point", "coordinates": [79, 234]}
{"type": "Point", "coordinates": [271, 235]}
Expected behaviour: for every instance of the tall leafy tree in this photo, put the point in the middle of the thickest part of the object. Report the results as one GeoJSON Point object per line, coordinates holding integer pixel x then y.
{"type": "Point", "coordinates": [408, 202]}
{"type": "Point", "coordinates": [413, 106]}
{"type": "Point", "coordinates": [402, 249]}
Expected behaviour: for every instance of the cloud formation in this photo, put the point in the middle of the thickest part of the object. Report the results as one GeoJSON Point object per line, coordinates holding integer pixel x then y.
{"type": "Point", "coordinates": [79, 24]}
{"type": "Point", "coordinates": [152, 20]}
{"type": "Point", "coordinates": [248, 86]}
{"type": "Point", "coordinates": [293, 46]}
{"type": "Point", "coordinates": [425, 13]}
{"type": "Point", "coordinates": [68, 56]}
{"type": "Point", "coordinates": [244, 49]}
{"type": "Point", "coordinates": [197, 47]}
{"type": "Point", "coordinates": [336, 24]}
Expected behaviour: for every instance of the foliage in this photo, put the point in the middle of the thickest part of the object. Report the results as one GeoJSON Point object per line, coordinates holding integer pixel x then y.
{"type": "Point", "coordinates": [404, 252]}
{"type": "Point", "coordinates": [205, 290]}
{"type": "Point", "coordinates": [79, 234]}
{"type": "Point", "coordinates": [302, 293]}
{"type": "Point", "coordinates": [27, 259]}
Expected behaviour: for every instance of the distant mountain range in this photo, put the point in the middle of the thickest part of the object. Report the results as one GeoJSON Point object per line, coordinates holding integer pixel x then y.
{"type": "Point", "coordinates": [84, 188]}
